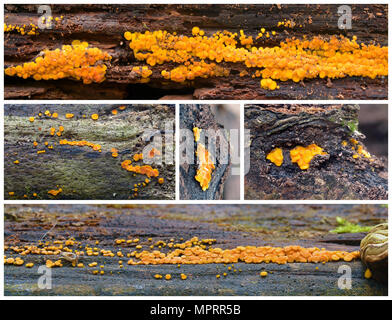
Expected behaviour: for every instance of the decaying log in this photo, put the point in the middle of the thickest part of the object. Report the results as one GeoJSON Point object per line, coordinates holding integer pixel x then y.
{"type": "Point", "coordinates": [201, 116]}
{"type": "Point", "coordinates": [81, 172]}
{"type": "Point", "coordinates": [103, 26]}
{"type": "Point", "coordinates": [337, 175]}
{"type": "Point", "coordinates": [230, 225]}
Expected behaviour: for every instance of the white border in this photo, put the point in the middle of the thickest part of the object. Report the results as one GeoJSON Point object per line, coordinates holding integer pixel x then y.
{"type": "Point", "coordinates": [177, 102]}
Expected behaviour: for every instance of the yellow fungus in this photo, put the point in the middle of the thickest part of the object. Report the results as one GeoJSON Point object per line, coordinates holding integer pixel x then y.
{"type": "Point", "coordinates": [294, 59]}
{"type": "Point", "coordinates": [276, 156]}
{"type": "Point", "coordinates": [196, 133]}
{"type": "Point", "coordinates": [195, 30]}
{"type": "Point", "coordinates": [55, 192]}
{"type": "Point", "coordinates": [127, 35]}
{"type": "Point", "coordinates": [183, 276]}
{"type": "Point", "coordinates": [75, 61]}
{"type": "Point", "coordinates": [81, 143]}
{"type": "Point", "coordinates": [146, 170]}
{"type": "Point", "coordinates": [268, 84]}
{"type": "Point", "coordinates": [138, 156]}
{"type": "Point", "coordinates": [154, 152]}
{"type": "Point", "coordinates": [206, 166]}
{"type": "Point", "coordinates": [303, 155]}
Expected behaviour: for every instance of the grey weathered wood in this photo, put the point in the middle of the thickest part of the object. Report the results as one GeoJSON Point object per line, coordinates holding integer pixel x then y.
{"type": "Point", "coordinates": [230, 225]}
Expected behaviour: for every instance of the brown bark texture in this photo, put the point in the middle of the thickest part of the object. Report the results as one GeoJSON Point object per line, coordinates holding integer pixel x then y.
{"type": "Point", "coordinates": [103, 26]}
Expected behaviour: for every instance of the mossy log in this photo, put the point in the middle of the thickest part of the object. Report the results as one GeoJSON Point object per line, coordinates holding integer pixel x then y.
{"type": "Point", "coordinates": [341, 174]}
{"type": "Point", "coordinates": [202, 117]}
{"type": "Point", "coordinates": [81, 172]}
{"type": "Point", "coordinates": [230, 225]}
{"type": "Point", "coordinates": [103, 26]}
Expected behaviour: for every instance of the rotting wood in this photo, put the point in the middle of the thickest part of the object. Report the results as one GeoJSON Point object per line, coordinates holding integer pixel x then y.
{"type": "Point", "coordinates": [341, 174]}
{"type": "Point", "coordinates": [202, 117]}
{"type": "Point", "coordinates": [103, 26]}
{"type": "Point", "coordinates": [230, 225]}
{"type": "Point", "coordinates": [81, 172]}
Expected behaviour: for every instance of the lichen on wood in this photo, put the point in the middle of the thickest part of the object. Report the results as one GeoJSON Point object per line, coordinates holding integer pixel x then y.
{"type": "Point", "coordinates": [83, 172]}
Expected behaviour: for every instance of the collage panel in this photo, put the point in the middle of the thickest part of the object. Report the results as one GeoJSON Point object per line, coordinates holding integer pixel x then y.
{"type": "Point", "coordinates": [316, 152]}
{"type": "Point", "coordinates": [196, 51]}
{"type": "Point", "coordinates": [89, 151]}
{"type": "Point", "coordinates": [209, 152]}
{"type": "Point", "coordinates": [196, 250]}
{"type": "Point", "coordinates": [227, 152]}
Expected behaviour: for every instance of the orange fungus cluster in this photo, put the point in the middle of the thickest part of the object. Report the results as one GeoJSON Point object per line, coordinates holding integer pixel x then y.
{"type": "Point", "coordinates": [146, 169]}
{"type": "Point", "coordinates": [201, 56]}
{"type": "Point", "coordinates": [55, 192]}
{"type": "Point", "coordinates": [81, 143]}
{"type": "Point", "coordinates": [206, 166]}
{"type": "Point", "coordinates": [300, 155]}
{"type": "Point", "coordinates": [276, 156]}
{"type": "Point", "coordinates": [29, 29]}
{"type": "Point", "coordinates": [192, 251]}
{"type": "Point", "coordinates": [76, 61]}
{"type": "Point", "coordinates": [303, 155]}
{"type": "Point", "coordinates": [359, 150]}
{"type": "Point", "coordinates": [248, 254]}
{"type": "Point", "coordinates": [196, 133]}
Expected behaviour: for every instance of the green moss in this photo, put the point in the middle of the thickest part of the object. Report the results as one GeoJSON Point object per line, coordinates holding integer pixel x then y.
{"type": "Point", "coordinates": [345, 226]}
{"type": "Point", "coordinates": [352, 125]}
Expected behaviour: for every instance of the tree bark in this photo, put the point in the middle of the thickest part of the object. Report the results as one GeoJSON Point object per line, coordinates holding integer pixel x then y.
{"type": "Point", "coordinates": [201, 116]}
{"type": "Point", "coordinates": [337, 175]}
